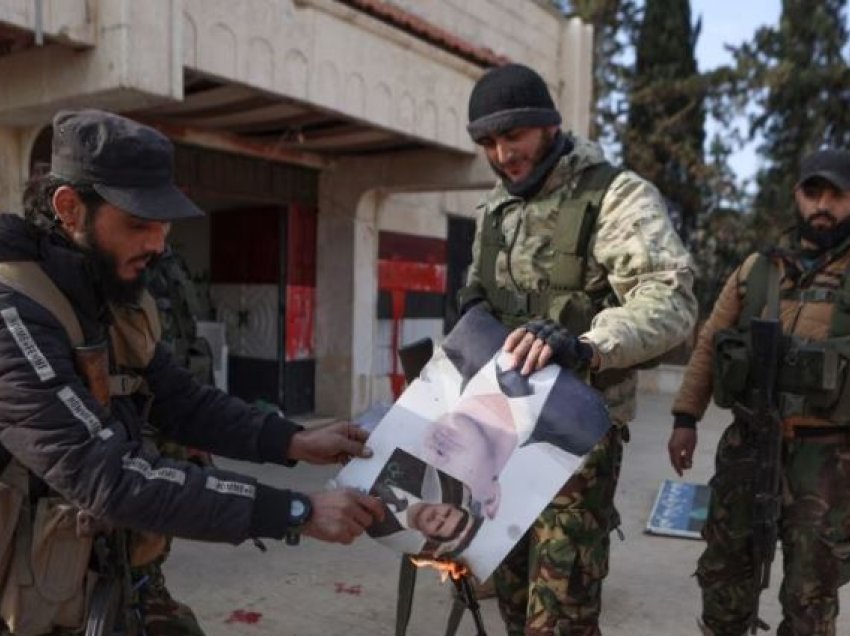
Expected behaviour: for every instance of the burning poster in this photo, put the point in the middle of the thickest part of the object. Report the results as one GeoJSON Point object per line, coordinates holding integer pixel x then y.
{"type": "Point", "coordinates": [472, 451]}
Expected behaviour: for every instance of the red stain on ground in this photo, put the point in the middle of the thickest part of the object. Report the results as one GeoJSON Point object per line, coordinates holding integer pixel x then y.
{"type": "Point", "coordinates": [243, 616]}
{"type": "Point", "coordinates": [354, 590]}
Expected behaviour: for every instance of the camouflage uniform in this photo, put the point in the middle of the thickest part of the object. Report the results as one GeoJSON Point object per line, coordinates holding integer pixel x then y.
{"type": "Point", "coordinates": [814, 535]}
{"type": "Point", "coordinates": [551, 583]}
{"type": "Point", "coordinates": [178, 302]}
{"type": "Point", "coordinates": [814, 523]}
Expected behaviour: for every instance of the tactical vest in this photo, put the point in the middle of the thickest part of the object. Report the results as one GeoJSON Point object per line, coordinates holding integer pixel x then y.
{"type": "Point", "coordinates": [812, 380]}
{"type": "Point", "coordinates": [564, 298]}
{"type": "Point", "coordinates": [46, 542]}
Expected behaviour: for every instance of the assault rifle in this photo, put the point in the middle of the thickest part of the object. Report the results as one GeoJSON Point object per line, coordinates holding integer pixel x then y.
{"type": "Point", "coordinates": [414, 357]}
{"type": "Point", "coordinates": [765, 434]}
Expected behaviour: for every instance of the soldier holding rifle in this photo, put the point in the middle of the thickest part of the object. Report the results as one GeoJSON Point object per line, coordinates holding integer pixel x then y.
{"type": "Point", "coordinates": [776, 350]}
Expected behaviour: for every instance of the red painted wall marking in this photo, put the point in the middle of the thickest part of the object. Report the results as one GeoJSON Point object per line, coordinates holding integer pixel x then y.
{"type": "Point", "coordinates": [300, 319]}
{"type": "Point", "coordinates": [412, 276]}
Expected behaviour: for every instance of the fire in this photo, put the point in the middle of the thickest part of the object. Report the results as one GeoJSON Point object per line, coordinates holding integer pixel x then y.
{"type": "Point", "coordinates": [446, 568]}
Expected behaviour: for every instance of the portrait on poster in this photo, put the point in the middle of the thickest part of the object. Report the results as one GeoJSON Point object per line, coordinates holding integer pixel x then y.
{"type": "Point", "coordinates": [473, 451]}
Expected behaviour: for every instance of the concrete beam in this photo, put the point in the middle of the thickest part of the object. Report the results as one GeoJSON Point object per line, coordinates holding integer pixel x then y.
{"type": "Point", "coordinates": [137, 62]}
{"type": "Point", "coordinates": [239, 145]}
{"type": "Point", "coordinates": [69, 22]}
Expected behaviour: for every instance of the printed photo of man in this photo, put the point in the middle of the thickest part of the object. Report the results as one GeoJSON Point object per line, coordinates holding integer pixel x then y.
{"type": "Point", "coordinates": [428, 512]}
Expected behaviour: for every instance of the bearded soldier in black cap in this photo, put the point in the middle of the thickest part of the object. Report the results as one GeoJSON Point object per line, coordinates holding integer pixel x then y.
{"type": "Point", "coordinates": [581, 259]}
{"type": "Point", "coordinates": [805, 285]}
{"type": "Point", "coordinates": [81, 373]}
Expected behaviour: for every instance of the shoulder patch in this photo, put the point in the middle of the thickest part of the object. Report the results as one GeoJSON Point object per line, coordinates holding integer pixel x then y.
{"type": "Point", "coordinates": [27, 344]}
{"type": "Point", "coordinates": [231, 487]}
{"type": "Point", "coordinates": [79, 410]}
{"type": "Point", "coordinates": [143, 467]}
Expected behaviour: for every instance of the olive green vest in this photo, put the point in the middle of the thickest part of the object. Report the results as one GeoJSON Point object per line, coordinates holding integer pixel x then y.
{"type": "Point", "coordinates": [812, 379]}
{"type": "Point", "coordinates": [564, 299]}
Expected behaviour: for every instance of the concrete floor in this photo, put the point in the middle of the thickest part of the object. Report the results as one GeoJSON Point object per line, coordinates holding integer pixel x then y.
{"type": "Point", "coordinates": [320, 590]}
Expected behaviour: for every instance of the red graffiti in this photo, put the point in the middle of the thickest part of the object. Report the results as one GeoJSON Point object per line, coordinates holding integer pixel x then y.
{"type": "Point", "coordinates": [300, 318]}
{"type": "Point", "coordinates": [412, 276]}
{"type": "Point", "coordinates": [244, 616]}
{"type": "Point", "coordinates": [353, 590]}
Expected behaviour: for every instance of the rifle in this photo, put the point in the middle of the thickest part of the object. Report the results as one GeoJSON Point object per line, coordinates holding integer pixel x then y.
{"type": "Point", "coordinates": [414, 357]}
{"type": "Point", "coordinates": [765, 428]}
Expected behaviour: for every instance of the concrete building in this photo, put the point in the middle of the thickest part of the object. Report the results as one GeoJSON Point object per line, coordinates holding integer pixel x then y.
{"type": "Point", "coordinates": [326, 140]}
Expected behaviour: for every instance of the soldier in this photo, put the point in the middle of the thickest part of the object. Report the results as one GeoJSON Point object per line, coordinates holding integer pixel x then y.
{"type": "Point", "coordinates": [810, 282]}
{"type": "Point", "coordinates": [82, 371]}
{"type": "Point", "coordinates": [581, 258]}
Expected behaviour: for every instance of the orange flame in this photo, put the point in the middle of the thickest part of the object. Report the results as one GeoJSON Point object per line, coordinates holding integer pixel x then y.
{"type": "Point", "coordinates": [446, 568]}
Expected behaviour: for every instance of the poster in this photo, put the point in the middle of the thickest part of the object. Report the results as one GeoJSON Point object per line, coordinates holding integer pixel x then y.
{"type": "Point", "coordinates": [473, 451]}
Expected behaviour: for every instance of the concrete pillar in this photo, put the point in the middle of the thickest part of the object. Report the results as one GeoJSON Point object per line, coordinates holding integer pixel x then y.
{"type": "Point", "coordinates": [576, 70]}
{"type": "Point", "coordinates": [350, 193]}
{"type": "Point", "coordinates": [15, 146]}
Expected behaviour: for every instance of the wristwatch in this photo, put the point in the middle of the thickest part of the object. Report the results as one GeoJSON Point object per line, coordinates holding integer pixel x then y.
{"type": "Point", "coordinates": [300, 510]}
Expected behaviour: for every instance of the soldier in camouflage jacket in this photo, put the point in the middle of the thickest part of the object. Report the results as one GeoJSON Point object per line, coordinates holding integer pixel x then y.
{"type": "Point", "coordinates": [582, 259]}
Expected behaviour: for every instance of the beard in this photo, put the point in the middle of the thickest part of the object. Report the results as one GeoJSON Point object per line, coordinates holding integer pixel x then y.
{"type": "Point", "coordinates": [546, 140]}
{"type": "Point", "coordinates": [105, 271]}
{"type": "Point", "coordinates": [824, 238]}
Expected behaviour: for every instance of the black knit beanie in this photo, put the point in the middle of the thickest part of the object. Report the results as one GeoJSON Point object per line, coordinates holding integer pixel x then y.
{"type": "Point", "coordinates": [508, 97]}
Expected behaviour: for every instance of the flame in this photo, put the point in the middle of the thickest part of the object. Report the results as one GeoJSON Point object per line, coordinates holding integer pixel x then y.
{"type": "Point", "coordinates": [446, 568]}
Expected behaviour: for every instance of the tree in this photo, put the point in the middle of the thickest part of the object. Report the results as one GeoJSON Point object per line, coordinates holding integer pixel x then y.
{"type": "Point", "coordinates": [800, 85]}
{"type": "Point", "coordinates": [614, 25]}
{"type": "Point", "coordinates": [666, 123]}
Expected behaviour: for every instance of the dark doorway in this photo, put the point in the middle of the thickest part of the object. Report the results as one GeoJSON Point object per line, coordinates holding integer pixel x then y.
{"type": "Point", "coordinates": [459, 258]}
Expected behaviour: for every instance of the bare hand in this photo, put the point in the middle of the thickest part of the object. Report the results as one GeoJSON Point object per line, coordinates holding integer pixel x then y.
{"type": "Point", "coordinates": [530, 353]}
{"type": "Point", "coordinates": [683, 442]}
{"type": "Point", "coordinates": [340, 516]}
{"type": "Point", "coordinates": [334, 443]}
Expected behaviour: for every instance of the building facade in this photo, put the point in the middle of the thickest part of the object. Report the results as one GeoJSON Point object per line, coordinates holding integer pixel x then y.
{"type": "Point", "coordinates": [326, 141]}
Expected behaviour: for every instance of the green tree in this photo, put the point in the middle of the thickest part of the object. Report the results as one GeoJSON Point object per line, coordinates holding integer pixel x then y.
{"type": "Point", "coordinates": [799, 83]}
{"type": "Point", "coordinates": [666, 123]}
{"type": "Point", "coordinates": [614, 25]}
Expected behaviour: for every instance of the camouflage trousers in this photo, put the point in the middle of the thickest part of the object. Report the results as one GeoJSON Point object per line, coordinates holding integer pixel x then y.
{"type": "Point", "coordinates": [551, 582]}
{"type": "Point", "coordinates": [814, 531]}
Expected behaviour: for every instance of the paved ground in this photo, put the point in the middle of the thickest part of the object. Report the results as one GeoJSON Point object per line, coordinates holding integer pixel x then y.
{"type": "Point", "coordinates": [321, 590]}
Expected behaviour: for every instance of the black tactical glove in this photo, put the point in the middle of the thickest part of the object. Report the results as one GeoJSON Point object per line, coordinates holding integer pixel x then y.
{"type": "Point", "coordinates": [568, 350]}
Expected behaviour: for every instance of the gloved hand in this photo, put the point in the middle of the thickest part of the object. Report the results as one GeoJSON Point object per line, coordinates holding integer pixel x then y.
{"type": "Point", "coordinates": [538, 341]}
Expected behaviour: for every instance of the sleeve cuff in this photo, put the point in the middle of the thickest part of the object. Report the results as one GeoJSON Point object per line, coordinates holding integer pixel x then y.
{"type": "Point", "coordinates": [684, 420]}
{"type": "Point", "coordinates": [275, 438]}
{"type": "Point", "coordinates": [270, 515]}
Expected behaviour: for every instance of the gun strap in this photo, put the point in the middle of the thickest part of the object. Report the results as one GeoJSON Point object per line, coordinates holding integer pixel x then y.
{"type": "Point", "coordinates": [772, 305]}
{"type": "Point", "coordinates": [27, 278]}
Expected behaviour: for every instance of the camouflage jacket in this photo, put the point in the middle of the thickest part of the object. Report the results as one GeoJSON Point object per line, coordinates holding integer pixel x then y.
{"type": "Point", "coordinates": [633, 250]}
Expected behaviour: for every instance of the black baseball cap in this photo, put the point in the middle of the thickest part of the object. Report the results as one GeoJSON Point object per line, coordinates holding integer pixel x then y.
{"type": "Point", "coordinates": [127, 163]}
{"type": "Point", "coordinates": [830, 164]}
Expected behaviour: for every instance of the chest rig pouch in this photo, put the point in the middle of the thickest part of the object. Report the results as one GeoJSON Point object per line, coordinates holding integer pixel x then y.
{"type": "Point", "coordinates": [45, 541]}
{"type": "Point", "coordinates": [563, 298]}
{"type": "Point", "coordinates": [813, 378]}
